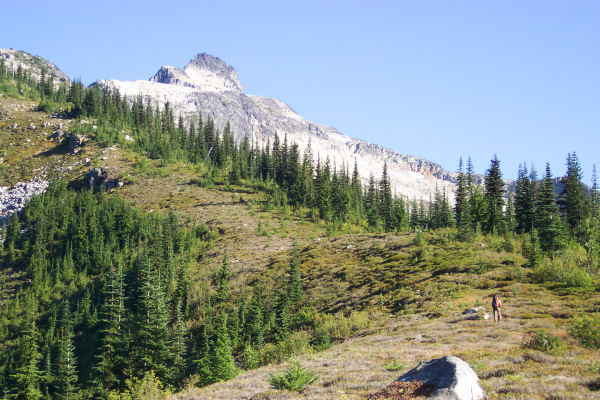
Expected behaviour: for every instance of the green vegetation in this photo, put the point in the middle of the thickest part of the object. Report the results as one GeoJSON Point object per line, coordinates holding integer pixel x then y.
{"type": "Point", "coordinates": [543, 340]}
{"type": "Point", "coordinates": [586, 329]}
{"type": "Point", "coordinates": [295, 378]}
{"type": "Point", "coordinates": [394, 366]}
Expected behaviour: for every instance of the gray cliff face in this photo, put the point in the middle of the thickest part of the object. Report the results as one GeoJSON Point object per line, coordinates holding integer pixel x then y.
{"type": "Point", "coordinates": [33, 65]}
{"type": "Point", "coordinates": [209, 86]}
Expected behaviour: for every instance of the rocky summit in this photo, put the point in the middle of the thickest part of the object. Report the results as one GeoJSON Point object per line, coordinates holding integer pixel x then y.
{"type": "Point", "coordinates": [209, 86]}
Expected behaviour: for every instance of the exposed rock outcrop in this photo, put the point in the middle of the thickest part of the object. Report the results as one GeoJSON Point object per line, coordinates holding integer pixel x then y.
{"type": "Point", "coordinates": [452, 377]}
{"type": "Point", "coordinates": [75, 142]}
{"type": "Point", "coordinates": [12, 200]}
{"type": "Point", "coordinates": [33, 66]}
{"type": "Point", "coordinates": [100, 176]}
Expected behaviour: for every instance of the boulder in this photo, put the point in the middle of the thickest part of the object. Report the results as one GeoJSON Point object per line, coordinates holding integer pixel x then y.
{"type": "Point", "coordinates": [475, 313]}
{"type": "Point", "coordinates": [452, 378]}
{"type": "Point", "coordinates": [75, 142]}
{"type": "Point", "coordinates": [57, 135]}
{"type": "Point", "coordinates": [99, 176]}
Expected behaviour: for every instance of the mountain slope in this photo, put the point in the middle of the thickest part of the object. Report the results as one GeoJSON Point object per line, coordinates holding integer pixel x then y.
{"type": "Point", "coordinates": [209, 86]}
{"type": "Point", "coordinates": [32, 65]}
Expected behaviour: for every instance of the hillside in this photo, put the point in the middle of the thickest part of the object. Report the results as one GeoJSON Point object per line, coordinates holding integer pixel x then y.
{"type": "Point", "coordinates": [413, 302]}
{"type": "Point", "coordinates": [218, 253]}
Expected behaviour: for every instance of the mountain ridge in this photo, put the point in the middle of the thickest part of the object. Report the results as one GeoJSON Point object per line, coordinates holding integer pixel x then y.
{"type": "Point", "coordinates": [210, 86]}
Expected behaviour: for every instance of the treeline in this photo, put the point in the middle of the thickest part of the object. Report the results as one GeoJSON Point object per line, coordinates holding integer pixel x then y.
{"type": "Point", "coordinates": [331, 192]}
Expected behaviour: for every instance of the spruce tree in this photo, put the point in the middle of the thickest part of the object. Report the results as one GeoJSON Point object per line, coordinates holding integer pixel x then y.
{"type": "Point", "coordinates": [27, 376]}
{"type": "Point", "coordinates": [66, 377]}
{"type": "Point", "coordinates": [294, 288]}
{"type": "Point", "coordinates": [524, 202]}
{"type": "Point", "coordinates": [548, 223]}
{"type": "Point", "coordinates": [222, 282]}
{"type": "Point", "coordinates": [111, 360]}
{"type": "Point", "coordinates": [573, 200]}
{"type": "Point", "coordinates": [494, 196]}
{"type": "Point", "coordinates": [223, 367]}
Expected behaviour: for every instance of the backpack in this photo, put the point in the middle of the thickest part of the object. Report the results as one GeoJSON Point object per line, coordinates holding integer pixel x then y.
{"type": "Point", "coordinates": [496, 302]}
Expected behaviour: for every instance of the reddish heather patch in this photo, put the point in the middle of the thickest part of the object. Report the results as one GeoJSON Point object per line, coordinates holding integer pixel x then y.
{"type": "Point", "coordinates": [403, 391]}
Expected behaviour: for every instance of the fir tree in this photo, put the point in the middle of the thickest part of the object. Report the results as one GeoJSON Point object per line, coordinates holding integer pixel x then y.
{"type": "Point", "coordinates": [524, 202]}
{"type": "Point", "coordinates": [294, 288]}
{"type": "Point", "coordinates": [223, 367]}
{"type": "Point", "coordinates": [573, 198]}
{"type": "Point", "coordinates": [548, 221]}
{"type": "Point", "coordinates": [109, 370]}
{"type": "Point", "coordinates": [66, 377]}
{"type": "Point", "coordinates": [494, 193]}
{"type": "Point", "coordinates": [28, 376]}
{"type": "Point", "coordinates": [222, 282]}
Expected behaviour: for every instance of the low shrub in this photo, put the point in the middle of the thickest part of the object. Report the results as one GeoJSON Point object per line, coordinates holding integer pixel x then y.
{"type": "Point", "coordinates": [321, 339]}
{"type": "Point", "coordinates": [586, 329]}
{"type": "Point", "coordinates": [295, 344]}
{"type": "Point", "coordinates": [567, 269]}
{"type": "Point", "coordinates": [341, 327]}
{"type": "Point", "coordinates": [394, 365]}
{"type": "Point", "coordinates": [295, 378]}
{"type": "Point", "coordinates": [543, 340]}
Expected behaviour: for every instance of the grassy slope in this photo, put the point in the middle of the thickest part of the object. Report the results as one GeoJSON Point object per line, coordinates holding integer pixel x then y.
{"type": "Point", "coordinates": [414, 292]}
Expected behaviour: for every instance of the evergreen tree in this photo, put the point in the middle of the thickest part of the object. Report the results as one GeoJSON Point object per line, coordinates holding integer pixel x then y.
{"type": "Point", "coordinates": [66, 377]}
{"type": "Point", "coordinates": [524, 202]}
{"type": "Point", "coordinates": [548, 222]}
{"type": "Point", "coordinates": [573, 198]}
{"type": "Point", "coordinates": [110, 367]}
{"type": "Point", "coordinates": [154, 347]}
{"type": "Point", "coordinates": [223, 367]}
{"type": "Point", "coordinates": [385, 199]}
{"type": "Point", "coordinates": [28, 376]}
{"type": "Point", "coordinates": [222, 282]}
{"type": "Point", "coordinates": [494, 196]}
{"type": "Point", "coordinates": [294, 290]}
{"type": "Point", "coordinates": [594, 197]}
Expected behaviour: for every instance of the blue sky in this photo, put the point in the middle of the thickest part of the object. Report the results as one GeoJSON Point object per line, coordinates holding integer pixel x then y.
{"type": "Point", "coordinates": [436, 79]}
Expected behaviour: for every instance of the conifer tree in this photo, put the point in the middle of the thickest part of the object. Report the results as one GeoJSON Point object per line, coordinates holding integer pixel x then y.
{"type": "Point", "coordinates": [28, 376]}
{"type": "Point", "coordinates": [595, 196]}
{"type": "Point", "coordinates": [573, 198]}
{"type": "Point", "coordinates": [385, 205]}
{"type": "Point", "coordinates": [494, 196]}
{"type": "Point", "coordinates": [110, 366]}
{"type": "Point", "coordinates": [66, 377]}
{"type": "Point", "coordinates": [524, 201]}
{"type": "Point", "coordinates": [548, 221]}
{"type": "Point", "coordinates": [371, 204]}
{"type": "Point", "coordinates": [222, 282]}
{"type": "Point", "coordinates": [223, 367]}
{"type": "Point", "coordinates": [153, 344]}
{"type": "Point", "coordinates": [294, 289]}
{"type": "Point", "coordinates": [179, 346]}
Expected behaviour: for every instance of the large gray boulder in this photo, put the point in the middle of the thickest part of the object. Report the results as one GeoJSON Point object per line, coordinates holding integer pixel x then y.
{"type": "Point", "coordinates": [75, 143]}
{"type": "Point", "coordinates": [452, 378]}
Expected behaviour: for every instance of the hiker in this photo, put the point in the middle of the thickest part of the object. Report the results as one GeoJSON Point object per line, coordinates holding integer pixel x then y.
{"type": "Point", "coordinates": [496, 305]}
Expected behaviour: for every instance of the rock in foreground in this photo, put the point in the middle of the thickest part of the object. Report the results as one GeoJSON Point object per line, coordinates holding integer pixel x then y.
{"type": "Point", "coordinates": [452, 378]}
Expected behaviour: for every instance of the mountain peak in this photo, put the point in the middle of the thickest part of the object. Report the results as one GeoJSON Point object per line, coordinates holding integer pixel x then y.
{"type": "Point", "coordinates": [204, 68]}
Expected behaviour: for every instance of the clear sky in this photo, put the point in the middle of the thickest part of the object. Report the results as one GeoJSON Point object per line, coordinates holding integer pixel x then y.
{"type": "Point", "coordinates": [435, 79]}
